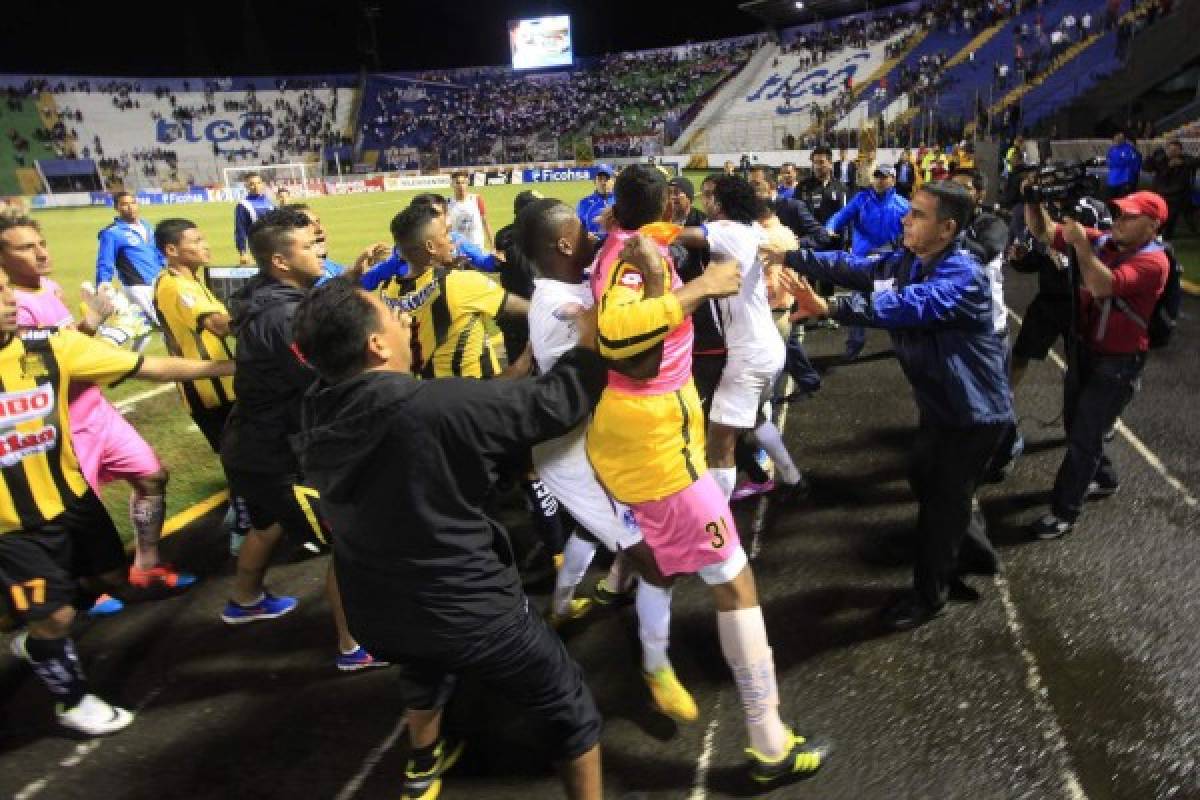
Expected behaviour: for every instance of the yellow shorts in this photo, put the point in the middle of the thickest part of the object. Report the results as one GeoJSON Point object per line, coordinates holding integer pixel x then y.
{"type": "Point", "coordinates": [646, 447]}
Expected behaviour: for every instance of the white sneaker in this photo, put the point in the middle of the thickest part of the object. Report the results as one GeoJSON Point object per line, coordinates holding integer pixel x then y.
{"type": "Point", "coordinates": [94, 717]}
{"type": "Point", "coordinates": [17, 645]}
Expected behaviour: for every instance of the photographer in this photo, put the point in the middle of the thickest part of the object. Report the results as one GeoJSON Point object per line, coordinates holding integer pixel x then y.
{"type": "Point", "coordinates": [1120, 279]}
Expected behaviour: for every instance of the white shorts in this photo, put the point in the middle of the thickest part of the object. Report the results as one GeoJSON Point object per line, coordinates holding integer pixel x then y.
{"type": "Point", "coordinates": [740, 394]}
{"type": "Point", "coordinates": [562, 464]}
{"type": "Point", "coordinates": [143, 298]}
{"type": "Point", "coordinates": [727, 570]}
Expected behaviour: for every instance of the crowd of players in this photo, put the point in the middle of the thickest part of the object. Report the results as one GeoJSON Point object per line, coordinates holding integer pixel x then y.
{"type": "Point", "coordinates": [617, 358]}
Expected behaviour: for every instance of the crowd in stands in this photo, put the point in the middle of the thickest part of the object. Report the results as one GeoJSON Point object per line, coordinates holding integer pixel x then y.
{"type": "Point", "coordinates": [481, 107]}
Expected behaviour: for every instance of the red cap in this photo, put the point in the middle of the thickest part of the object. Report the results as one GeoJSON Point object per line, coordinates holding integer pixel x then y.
{"type": "Point", "coordinates": [1148, 203]}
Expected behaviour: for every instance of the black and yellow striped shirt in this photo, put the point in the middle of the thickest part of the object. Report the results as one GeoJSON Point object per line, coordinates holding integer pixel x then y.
{"type": "Point", "coordinates": [182, 304]}
{"type": "Point", "coordinates": [450, 309]}
{"type": "Point", "coordinates": [38, 466]}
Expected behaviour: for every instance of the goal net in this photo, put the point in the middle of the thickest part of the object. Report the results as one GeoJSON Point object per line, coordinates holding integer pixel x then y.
{"type": "Point", "coordinates": [292, 176]}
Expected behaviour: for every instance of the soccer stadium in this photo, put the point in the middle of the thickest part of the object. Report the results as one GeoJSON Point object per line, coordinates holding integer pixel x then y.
{"type": "Point", "coordinates": [451, 382]}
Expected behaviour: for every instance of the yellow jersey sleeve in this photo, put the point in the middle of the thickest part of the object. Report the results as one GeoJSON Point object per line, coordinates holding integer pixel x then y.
{"type": "Point", "coordinates": [186, 303]}
{"type": "Point", "coordinates": [470, 292]}
{"type": "Point", "coordinates": [84, 358]}
{"type": "Point", "coordinates": [630, 324]}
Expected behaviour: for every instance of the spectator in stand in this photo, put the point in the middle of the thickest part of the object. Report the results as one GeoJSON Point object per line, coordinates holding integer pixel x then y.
{"type": "Point", "coordinates": [1174, 176]}
{"type": "Point", "coordinates": [906, 174]}
{"type": "Point", "coordinates": [1124, 166]}
{"type": "Point", "coordinates": [846, 170]}
{"type": "Point", "coordinates": [591, 207]}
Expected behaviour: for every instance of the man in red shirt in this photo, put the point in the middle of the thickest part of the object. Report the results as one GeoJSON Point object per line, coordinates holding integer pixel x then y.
{"type": "Point", "coordinates": [1121, 277]}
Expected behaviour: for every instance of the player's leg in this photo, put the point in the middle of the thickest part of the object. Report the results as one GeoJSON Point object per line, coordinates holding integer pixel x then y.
{"type": "Point", "coordinates": [37, 573]}
{"type": "Point", "coordinates": [351, 655]}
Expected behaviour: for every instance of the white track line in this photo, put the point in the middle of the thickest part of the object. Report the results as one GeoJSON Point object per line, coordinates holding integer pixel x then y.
{"type": "Point", "coordinates": [700, 776]}
{"type": "Point", "coordinates": [370, 762]}
{"type": "Point", "coordinates": [1145, 452]}
{"type": "Point", "coordinates": [127, 405]}
{"type": "Point", "coordinates": [1051, 732]}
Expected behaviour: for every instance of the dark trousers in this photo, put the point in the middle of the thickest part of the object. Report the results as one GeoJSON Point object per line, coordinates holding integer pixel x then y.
{"type": "Point", "coordinates": [798, 367]}
{"type": "Point", "coordinates": [1095, 392]}
{"type": "Point", "coordinates": [1176, 207]}
{"type": "Point", "coordinates": [948, 465]}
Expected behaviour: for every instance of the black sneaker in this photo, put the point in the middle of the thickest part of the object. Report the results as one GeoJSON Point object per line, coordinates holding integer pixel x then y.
{"type": "Point", "coordinates": [1099, 491]}
{"type": "Point", "coordinates": [803, 759]}
{"type": "Point", "coordinates": [423, 781]}
{"type": "Point", "coordinates": [792, 494]}
{"type": "Point", "coordinates": [908, 613]}
{"type": "Point", "coordinates": [1051, 527]}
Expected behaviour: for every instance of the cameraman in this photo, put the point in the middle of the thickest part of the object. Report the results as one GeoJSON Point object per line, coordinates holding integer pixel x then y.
{"type": "Point", "coordinates": [1121, 277]}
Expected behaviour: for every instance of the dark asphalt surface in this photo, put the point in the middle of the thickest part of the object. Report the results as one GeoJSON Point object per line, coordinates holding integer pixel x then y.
{"type": "Point", "coordinates": [1086, 686]}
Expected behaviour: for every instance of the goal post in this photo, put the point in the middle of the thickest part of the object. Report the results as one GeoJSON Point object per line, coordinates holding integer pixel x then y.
{"type": "Point", "coordinates": [274, 175]}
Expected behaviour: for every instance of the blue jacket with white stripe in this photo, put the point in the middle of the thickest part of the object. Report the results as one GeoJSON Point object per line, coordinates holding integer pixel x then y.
{"type": "Point", "coordinates": [128, 253]}
{"type": "Point", "coordinates": [939, 316]}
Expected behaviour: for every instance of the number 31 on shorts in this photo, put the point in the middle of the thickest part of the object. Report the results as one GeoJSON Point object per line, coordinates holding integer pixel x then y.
{"type": "Point", "coordinates": [718, 532]}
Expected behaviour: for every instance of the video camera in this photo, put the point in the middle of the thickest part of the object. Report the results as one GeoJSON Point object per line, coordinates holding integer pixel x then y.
{"type": "Point", "coordinates": [1062, 186]}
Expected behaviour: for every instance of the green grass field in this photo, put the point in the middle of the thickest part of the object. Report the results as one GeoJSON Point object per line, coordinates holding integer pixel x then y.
{"type": "Point", "coordinates": [352, 223]}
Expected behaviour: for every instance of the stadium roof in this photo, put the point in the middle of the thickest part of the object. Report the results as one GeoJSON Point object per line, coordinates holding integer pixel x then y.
{"type": "Point", "coordinates": [786, 13]}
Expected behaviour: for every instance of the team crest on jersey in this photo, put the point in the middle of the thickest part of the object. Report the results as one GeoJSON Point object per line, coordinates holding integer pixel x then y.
{"type": "Point", "coordinates": [632, 279]}
{"type": "Point", "coordinates": [18, 407]}
{"type": "Point", "coordinates": [187, 300]}
{"type": "Point", "coordinates": [33, 366]}
{"type": "Point", "coordinates": [568, 312]}
{"type": "Point", "coordinates": [15, 446]}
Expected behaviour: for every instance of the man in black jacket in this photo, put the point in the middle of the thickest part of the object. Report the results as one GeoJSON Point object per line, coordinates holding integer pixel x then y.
{"type": "Point", "coordinates": [1174, 174]}
{"type": "Point", "coordinates": [404, 468]}
{"type": "Point", "coordinates": [258, 460]}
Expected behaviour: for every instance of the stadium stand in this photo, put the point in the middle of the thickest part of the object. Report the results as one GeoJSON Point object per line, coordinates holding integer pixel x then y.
{"type": "Point", "coordinates": [495, 115]}
{"type": "Point", "coordinates": [26, 139]}
{"type": "Point", "coordinates": [179, 132]}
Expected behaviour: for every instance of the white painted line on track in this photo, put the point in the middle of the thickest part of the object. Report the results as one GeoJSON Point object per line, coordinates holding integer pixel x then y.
{"type": "Point", "coordinates": [370, 762]}
{"type": "Point", "coordinates": [1050, 730]}
{"type": "Point", "coordinates": [700, 776]}
{"type": "Point", "coordinates": [128, 404]}
{"type": "Point", "coordinates": [1145, 452]}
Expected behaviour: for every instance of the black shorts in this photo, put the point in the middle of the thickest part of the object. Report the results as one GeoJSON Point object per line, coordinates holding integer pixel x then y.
{"type": "Point", "coordinates": [268, 498]}
{"type": "Point", "coordinates": [525, 662]}
{"type": "Point", "coordinates": [40, 568]}
{"type": "Point", "coordinates": [211, 422]}
{"type": "Point", "coordinates": [1046, 319]}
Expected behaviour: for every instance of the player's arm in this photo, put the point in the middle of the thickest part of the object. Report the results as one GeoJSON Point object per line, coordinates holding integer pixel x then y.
{"type": "Point", "coordinates": [106, 257]}
{"type": "Point", "coordinates": [215, 322]}
{"type": "Point", "coordinates": [514, 306]}
{"type": "Point", "coordinates": [167, 368]}
{"type": "Point", "coordinates": [488, 239]}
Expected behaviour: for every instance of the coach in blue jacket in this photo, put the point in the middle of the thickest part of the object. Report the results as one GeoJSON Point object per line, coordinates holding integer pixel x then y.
{"type": "Point", "coordinates": [1124, 166]}
{"type": "Point", "coordinates": [935, 300]}
{"type": "Point", "coordinates": [591, 207]}
{"type": "Point", "coordinates": [874, 217]}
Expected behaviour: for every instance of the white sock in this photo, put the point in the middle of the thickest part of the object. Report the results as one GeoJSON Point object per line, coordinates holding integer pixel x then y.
{"type": "Point", "coordinates": [744, 643]}
{"type": "Point", "coordinates": [577, 557]}
{"type": "Point", "coordinates": [146, 513]}
{"type": "Point", "coordinates": [654, 625]}
{"type": "Point", "coordinates": [769, 439]}
{"type": "Point", "coordinates": [726, 478]}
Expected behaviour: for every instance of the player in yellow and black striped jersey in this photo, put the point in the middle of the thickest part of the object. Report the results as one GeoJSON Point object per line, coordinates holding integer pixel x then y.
{"type": "Point", "coordinates": [195, 324]}
{"type": "Point", "coordinates": [450, 308]}
{"type": "Point", "coordinates": [53, 529]}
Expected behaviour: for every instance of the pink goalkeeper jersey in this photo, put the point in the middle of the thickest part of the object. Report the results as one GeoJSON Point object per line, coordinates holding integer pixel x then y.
{"type": "Point", "coordinates": [675, 369]}
{"type": "Point", "coordinates": [45, 308]}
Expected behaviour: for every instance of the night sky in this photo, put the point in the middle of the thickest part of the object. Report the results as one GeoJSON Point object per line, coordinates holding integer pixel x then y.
{"type": "Point", "coordinates": [232, 37]}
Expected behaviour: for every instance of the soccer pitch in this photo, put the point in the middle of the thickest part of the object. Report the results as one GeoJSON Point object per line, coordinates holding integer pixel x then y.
{"type": "Point", "coordinates": [351, 221]}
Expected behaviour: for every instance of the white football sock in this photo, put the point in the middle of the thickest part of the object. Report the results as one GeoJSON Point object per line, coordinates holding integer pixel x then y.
{"type": "Point", "coordinates": [726, 478]}
{"type": "Point", "coordinates": [769, 439]}
{"type": "Point", "coordinates": [577, 556]}
{"type": "Point", "coordinates": [744, 643]}
{"type": "Point", "coordinates": [654, 625]}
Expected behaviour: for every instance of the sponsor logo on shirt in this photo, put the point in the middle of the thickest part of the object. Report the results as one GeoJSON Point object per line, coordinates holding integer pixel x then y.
{"type": "Point", "coordinates": [18, 407]}
{"type": "Point", "coordinates": [412, 301]}
{"type": "Point", "coordinates": [15, 446]}
{"type": "Point", "coordinates": [632, 279]}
